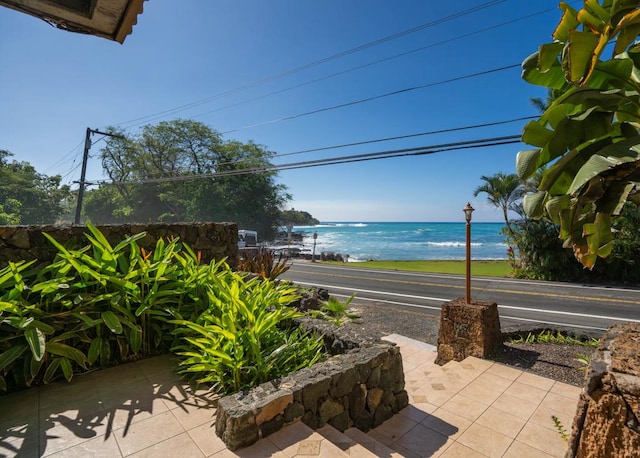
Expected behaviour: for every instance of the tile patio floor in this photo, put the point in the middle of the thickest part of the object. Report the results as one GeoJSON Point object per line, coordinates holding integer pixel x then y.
{"type": "Point", "coordinates": [475, 408]}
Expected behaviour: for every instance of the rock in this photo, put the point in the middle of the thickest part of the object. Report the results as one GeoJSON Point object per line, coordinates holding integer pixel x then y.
{"type": "Point", "coordinates": [344, 382]}
{"type": "Point", "coordinates": [340, 421]}
{"type": "Point", "coordinates": [294, 412]}
{"type": "Point", "coordinates": [358, 399]}
{"type": "Point", "coordinates": [329, 409]}
{"type": "Point", "coordinates": [402, 401]}
{"type": "Point", "coordinates": [364, 421]}
{"type": "Point", "coordinates": [374, 398]}
{"type": "Point", "coordinates": [314, 392]}
{"type": "Point", "coordinates": [607, 421]}
{"type": "Point", "coordinates": [383, 413]}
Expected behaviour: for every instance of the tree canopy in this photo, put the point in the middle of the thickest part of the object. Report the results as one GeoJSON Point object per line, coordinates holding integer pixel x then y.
{"type": "Point", "coordinates": [297, 218]}
{"type": "Point", "coordinates": [589, 134]}
{"type": "Point", "coordinates": [503, 191]}
{"type": "Point", "coordinates": [182, 170]}
{"type": "Point", "coordinates": [28, 197]}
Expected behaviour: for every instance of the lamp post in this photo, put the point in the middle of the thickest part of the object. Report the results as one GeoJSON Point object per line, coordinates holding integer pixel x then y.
{"type": "Point", "coordinates": [315, 238]}
{"type": "Point", "coordinates": [468, 209]}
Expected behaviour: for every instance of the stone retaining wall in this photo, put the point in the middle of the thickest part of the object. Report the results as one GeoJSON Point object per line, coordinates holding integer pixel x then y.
{"type": "Point", "coordinates": [212, 240]}
{"type": "Point", "coordinates": [607, 422]}
{"type": "Point", "coordinates": [362, 387]}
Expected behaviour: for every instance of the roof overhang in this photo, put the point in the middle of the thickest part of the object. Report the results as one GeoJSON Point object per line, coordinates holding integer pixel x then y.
{"type": "Point", "coordinates": [111, 19]}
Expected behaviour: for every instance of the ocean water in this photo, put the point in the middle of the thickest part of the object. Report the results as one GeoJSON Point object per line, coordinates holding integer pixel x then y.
{"type": "Point", "coordinates": [406, 241]}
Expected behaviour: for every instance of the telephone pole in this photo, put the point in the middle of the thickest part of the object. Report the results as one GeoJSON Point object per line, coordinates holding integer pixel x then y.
{"type": "Point", "coordinates": [83, 173]}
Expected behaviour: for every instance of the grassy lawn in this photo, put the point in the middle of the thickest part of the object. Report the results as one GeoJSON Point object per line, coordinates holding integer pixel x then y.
{"type": "Point", "coordinates": [483, 268]}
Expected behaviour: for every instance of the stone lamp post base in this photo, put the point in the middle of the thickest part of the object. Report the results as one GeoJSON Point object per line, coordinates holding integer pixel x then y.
{"type": "Point", "coordinates": [468, 330]}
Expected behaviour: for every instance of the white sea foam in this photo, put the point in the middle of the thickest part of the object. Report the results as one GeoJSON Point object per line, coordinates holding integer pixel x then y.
{"type": "Point", "coordinates": [351, 225]}
{"type": "Point", "coordinates": [454, 244]}
{"type": "Point", "coordinates": [402, 241]}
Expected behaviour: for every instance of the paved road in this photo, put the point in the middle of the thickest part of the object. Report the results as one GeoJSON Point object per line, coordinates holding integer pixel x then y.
{"type": "Point", "coordinates": [519, 301]}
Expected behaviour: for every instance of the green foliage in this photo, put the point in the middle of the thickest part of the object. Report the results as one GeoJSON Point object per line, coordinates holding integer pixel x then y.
{"type": "Point", "coordinates": [167, 174]}
{"type": "Point", "coordinates": [297, 218]}
{"type": "Point", "coordinates": [540, 252]}
{"type": "Point", "coordinates": [554, 338]}
{"type": "Point", "coordinates": [585, 360]}
{"type": "Point", "coordinates": [101, 304]}
{"type": "Point", "coordinates": [28, 197]}
{"type": "Point", "coordinates": [264, 264]}
{"type": "Point", "coordinates": [542, 256]}
{"type": "Point", "coordinates": [335, 310]}
{"type": "Point", "coordinates": [560, 428]}
{"type": "Point", "coordinates": [588, 135]}
{"type": "Point", "coordinates": [10, 212]}
{"type": "Point", "coordinates": [623, 264]}
{"type": "Point", "coordinates": [241, 339]}
{"type": "Point", "coordinates": [95, 305]}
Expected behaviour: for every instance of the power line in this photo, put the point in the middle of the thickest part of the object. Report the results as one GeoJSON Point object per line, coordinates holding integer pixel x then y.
{"type": "Point", "coordinates": [320, 61]}
{"type": "Point", "coordinates": [397, 137]}
{"type": "Point", "coordinates": [60, 160]}
{"type": "Point", "coordinates": [416, 151]}
{"type": "Point", "coordinates": [376, 97]}
{"type": "Point", "coordinates": [400, 137]}
{"type": "Point", "coordinates": [359, 67]}
{"type": "Point", "coordinates": [73, 169]}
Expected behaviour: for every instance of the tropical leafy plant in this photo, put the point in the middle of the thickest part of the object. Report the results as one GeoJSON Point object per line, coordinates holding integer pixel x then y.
{"type": "Point", "coordinates": [588, 135]}
{"type": "Point", "coordinates": [584, 359]}
{"type": "Point", "coordinates": [541, 256]}
{"type": "Point", "coordinates": [335, 310]}
{"type": "Point", "coordinates": [95, 305]}
{"type": "Point", "coordinates": [104, 304]}
{"type": "Point", "coordinates": [241, 339]}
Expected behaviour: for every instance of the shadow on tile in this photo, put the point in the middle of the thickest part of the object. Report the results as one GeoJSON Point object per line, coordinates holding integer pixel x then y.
{"type": "Point", "coordinates": [47, 419]}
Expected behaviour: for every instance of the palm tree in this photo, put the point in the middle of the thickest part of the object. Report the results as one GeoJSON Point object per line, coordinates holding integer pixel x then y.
{"type": "Point", "coordinates": [503, 191]}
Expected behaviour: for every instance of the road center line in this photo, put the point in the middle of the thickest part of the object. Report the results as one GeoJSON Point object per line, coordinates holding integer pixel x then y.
{"type": "Point", "coordinates": [493, 290]}
{"type": "Point", "coordinates": [439, 299]}
{"type": "Point", "coordinates": [409, 273]}
{"type": "Point", "coordinates": [506, 317]}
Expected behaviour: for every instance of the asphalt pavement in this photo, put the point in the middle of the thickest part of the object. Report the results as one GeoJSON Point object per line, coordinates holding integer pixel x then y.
{"type": "Point", "coordinates": [571, 305]}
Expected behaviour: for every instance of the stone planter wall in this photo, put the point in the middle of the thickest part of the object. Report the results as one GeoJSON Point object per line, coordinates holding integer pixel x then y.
{"type": "Point", "coordinates": [212, 240]}
{"type": "Point", "coordinates": [362, 387]}
{"type": "Point", "coordinates": [607, 422]}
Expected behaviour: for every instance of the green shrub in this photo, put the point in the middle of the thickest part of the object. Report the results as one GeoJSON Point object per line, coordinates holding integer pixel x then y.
{"type": "Point", "coordinates": [95, 305]}
{"type": "Point", "coordinates": [542, 256]}
{"type": "Point", "coordinates": [102, 305]}
{"type": "Point", "coordinates": [335, 310]}
{"type": "Point", "coordinates": [242, 339]}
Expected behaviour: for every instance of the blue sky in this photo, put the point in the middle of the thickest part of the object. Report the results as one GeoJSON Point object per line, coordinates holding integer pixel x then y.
{"type": "Point", "coordinates": [55, 84]}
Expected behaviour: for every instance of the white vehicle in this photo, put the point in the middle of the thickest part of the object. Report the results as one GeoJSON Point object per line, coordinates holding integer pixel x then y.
{"type": "Point", "coordinates": [247, 239]}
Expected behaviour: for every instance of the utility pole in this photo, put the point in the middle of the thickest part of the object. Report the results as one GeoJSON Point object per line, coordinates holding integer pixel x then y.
{"type": "Point", "coordinates": [83, 173]}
